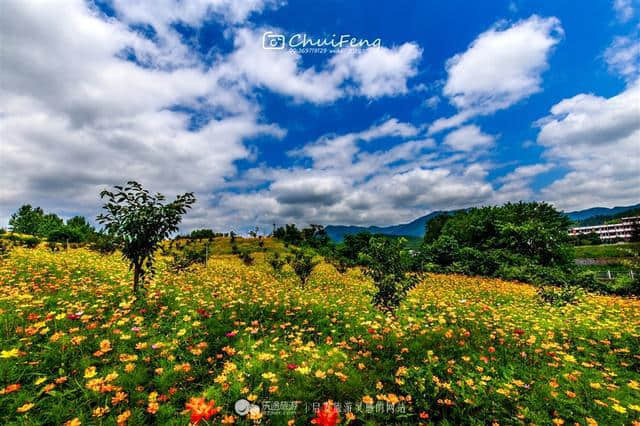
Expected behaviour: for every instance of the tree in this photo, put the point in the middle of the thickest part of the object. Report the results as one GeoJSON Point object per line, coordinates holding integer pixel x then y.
{"type": "Point", "coordinates": [434, 228]}
{"type": "Point", "coordinates": [80, 225]}
{"type": "Point", "coordinates": [140, 221]}
{"type": "Point", "coordinates": [635, 232]}
{"type": "Point", "coordinates": [388, 264]}
{"type": "Point", "coordinates": [26, 220]}
{"type": "Point", "coordinates": [302, 263]}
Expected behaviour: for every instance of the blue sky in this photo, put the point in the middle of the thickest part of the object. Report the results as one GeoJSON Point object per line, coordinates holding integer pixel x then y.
{"type": "Point", "coordinates": [464, 103]}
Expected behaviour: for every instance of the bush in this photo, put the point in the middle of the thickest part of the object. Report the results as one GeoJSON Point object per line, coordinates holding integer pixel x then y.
{"type": "Point", "coordinates": [388, 264]}
{"type": "Point", "coordinates": [5, 248]}
{"type": "Point", "coordinates": [245, 256]}
{"type": "Point", "coordinates": [302, 263]}
{"type": "Point", "coordinates": [187, 257]}
{"type": "Point", "coordinates": [560, 296]}
{"type": "Point", "coordinates": [65, 234]}
{"type": "Point", "coordinates": [31, 242]}
{"type": "Point", "coordinates": [276, 262]}
{"type": "Point", "coordinates": [103, 243]}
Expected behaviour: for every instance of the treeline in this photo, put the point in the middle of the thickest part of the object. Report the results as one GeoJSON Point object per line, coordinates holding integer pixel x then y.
{"type": "Point", "coordinates": [34, 221]}
{"type": "Point", "coordinates": [528, 242]}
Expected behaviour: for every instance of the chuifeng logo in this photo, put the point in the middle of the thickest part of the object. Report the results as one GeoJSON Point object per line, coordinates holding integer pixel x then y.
{"type": "Point", "coordinates": [303, 43]}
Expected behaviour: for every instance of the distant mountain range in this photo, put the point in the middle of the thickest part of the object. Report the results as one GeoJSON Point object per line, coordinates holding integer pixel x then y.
{"type": "Point", "coordinates": [416, 228]}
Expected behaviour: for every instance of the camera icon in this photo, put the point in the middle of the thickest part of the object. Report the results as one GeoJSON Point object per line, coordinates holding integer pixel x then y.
{"type": "Point", "coordinates": [272, 41]}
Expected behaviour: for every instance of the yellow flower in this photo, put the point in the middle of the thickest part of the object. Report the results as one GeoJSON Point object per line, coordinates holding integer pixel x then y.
{"type": "Point", "coordinates": [73, 422]}
{"type": "Point", "coordinates": [12, 353]}
{"type": "Point", "coordinates": [26, 407]}
{"type": "Point", "coordinates": [89, 372]}
{"type": "Point", "coordinates": [40, 381]}
{"type": "Point", "coordinates": [367, 400]}
{"type": "Point", "coordinates": [320, 374]}
{"type": "Point", "coordinates": [122, 418]}
{"type": "Point", "coordinates": [619, 408]}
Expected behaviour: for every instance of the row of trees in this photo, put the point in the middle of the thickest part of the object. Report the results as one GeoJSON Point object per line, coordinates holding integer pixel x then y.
{"type": "Point", "coordinates": [34, 221]}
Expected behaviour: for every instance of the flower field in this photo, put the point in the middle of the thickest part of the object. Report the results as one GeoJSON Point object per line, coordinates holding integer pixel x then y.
{"type": "Point", "coordinates": [76, 348]}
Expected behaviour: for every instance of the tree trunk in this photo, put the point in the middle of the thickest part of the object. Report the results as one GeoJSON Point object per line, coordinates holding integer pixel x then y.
{"type": "Point", "coordinates": [136, 277]}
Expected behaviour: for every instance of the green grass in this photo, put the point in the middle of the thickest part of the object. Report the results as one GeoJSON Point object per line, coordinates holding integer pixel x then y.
{"type": "Point", "coordinates": [608, 251]}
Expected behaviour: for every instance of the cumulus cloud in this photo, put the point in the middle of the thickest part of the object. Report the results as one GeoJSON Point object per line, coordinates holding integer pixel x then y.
{"type": "Point", "coordinates": [350, 183]}
{"type": "Point", "coordinates": [468, 138]}
{"type": "Point", "coordinates": [373, 72]}
{"type": "Point", "coordinates": [87, 101]}
{"type": "Point", "coordinates": [75, 116]}
{"type": "Point", "coordinates": [597, 139]}
{"type": "Point", "coordinates": [501, 67]}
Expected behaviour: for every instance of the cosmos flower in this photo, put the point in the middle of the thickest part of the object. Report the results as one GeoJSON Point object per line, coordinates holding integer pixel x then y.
{"type": "Point", "coordinates": [327, 415]}
{"type": "Point", "coordinates": [200, 409]}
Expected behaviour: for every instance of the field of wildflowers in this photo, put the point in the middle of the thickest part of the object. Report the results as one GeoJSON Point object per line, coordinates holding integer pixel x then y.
{"type": "Point", "coordinates": [77, 348]}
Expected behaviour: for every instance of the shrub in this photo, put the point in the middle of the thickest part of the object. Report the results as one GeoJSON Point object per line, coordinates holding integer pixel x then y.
{"type": "Point", "coordinates": [31, 242]}
{"type": "Point", "coordinates": [560, 296]}
{"type": "Point", "coordinates": [276, 262]}
{"type": "Point", "coordinates": [245, 256]}
{"type": "Point", "coordinates": [302, 263]}
{"type": "Point", "coordinates": [187, 257]}
{"type": "Point", "coordinates": [65, 234]}
{"type": "Point", "coordinates": [5, 248]}
{"type": "Point", "coordinates": [388, 264]}
{"type": "Point", "coordinates": [103, 244]}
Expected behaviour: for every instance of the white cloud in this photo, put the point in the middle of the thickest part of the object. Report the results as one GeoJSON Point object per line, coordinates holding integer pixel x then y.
{"type": "Point", "coordinates": [75, 117]}
{"type": "Point", "coordinates": [624, 9]}
{"type": "Point", "coordinates": [501, 67]}
{"type": "Point", "coordinates": [372, 72]}
{"type": "Point", "coordinates": [623, 57]}
{"type": "Point", "coordinates": [598, 139]}
{"type": "Point", "coordinates": [468, 138]}
{"type": "Point", "coordinates": [380, 71]}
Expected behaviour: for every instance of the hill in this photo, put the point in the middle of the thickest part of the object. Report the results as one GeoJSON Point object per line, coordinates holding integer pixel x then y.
{"type": "Point", "coordinates": [412, 229]}
{"type": "Point", "coordinates": [597, 212]}
{"type": "Point", "coordinates": [416, 228]}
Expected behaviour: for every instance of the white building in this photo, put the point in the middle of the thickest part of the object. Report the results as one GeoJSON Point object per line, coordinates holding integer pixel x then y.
{"type": "Point", "coordinates": [615, 231]}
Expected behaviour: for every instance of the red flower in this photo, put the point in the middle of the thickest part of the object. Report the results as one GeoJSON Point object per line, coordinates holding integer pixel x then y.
{"type": "Point", "coordinates": [201, 409]}
{"type": "Point", "coordinates": [292, 366]}
{"type": "Point", "coordinates": [492, 349]}
{"type": "Point", "coordinates": [519, 331]}
{"type": "Point", "coordinates": [327, 415]}
{"type": "Point", "coordinates": [231, 333]}
{"type": "Point", "coordinates": [371, 331]}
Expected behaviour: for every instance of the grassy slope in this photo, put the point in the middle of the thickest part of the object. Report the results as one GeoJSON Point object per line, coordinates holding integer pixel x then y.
{"type": "Point", "coordinates": [608, 251]}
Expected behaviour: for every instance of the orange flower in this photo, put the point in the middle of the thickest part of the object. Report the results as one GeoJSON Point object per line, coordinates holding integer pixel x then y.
{"type": "Point", "coordinates": [201, 409]}
{"type": "Point", "coordinates": [11, 388]}
{"type": "Point", "coordinates": [327, 415]}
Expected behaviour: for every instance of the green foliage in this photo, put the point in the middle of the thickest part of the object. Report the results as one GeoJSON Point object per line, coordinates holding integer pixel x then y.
{"type": "Point", "coordinates": [203, 233]}
{"type": "Point", "coordinates": [187, 257]}
{"type": "Point", "coordinates": [246, 257]}
{"type": "Point", "coordinates": [103, 243]}
{"type": "Point", "coordinates": [388, 264]}
{"type": "Point", "coordinates": [276, 261]}
{"type": "Point", "coordinates": [302, 263]}
{"type": "Point", "coordinates": [26, 220]}
{"type": "Point", "coordinates": [434, 228]}
{"type": "Point", "coordinates": [140, 221]}
{"type": "Point", "coordinates": [587, 239]}
{"type": "Point", "coordinates": [31, 242]}
{"type": "Point", "coordinates": [522, 241]}
{"type": "Point", "coordinates": [561, 296]}
{"type": "Point", "coordinates": [65, 234]}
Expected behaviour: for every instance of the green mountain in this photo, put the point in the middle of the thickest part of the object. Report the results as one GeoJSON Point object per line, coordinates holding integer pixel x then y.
{"type": "Point", "coordinates": [416, 228]}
